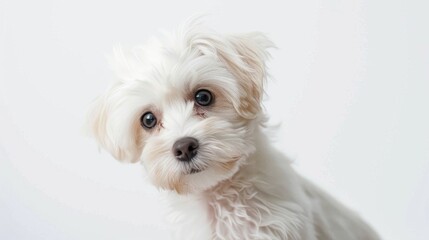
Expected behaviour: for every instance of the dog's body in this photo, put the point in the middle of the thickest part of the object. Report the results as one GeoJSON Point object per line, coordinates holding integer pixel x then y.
{"type": "Point", "coordinates": [266, 199]}
{"type": "Point", "coordinates": [189, 108]}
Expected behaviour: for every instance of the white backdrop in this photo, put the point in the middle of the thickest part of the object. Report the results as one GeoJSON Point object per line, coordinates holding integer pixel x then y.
{"type": "Point", "coordinates": [350, 85]}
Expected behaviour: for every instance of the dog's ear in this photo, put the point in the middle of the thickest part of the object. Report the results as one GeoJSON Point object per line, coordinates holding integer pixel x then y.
{"type": "Point", "coordinates": [118, 131]}
{"type": "Point", "coordinates": [245, 56]}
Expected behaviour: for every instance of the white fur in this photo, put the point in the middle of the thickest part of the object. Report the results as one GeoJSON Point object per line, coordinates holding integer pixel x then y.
{"type": "Point", "coordinates": [245, 189]}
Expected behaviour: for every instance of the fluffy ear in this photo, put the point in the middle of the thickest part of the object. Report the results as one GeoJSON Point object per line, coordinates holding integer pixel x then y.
{"type": "Point", "coordinates": [245, 56]}
{"type": "Point", "coordinates": [116, 129]}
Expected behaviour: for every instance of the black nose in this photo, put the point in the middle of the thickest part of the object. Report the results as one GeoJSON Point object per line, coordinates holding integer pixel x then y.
{"type": "Point", "coordinates": [185, 149]}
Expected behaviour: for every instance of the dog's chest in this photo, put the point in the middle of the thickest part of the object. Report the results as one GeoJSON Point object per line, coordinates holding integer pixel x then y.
{"type": "Point", "coordinates": [227, 213]}
{"type": "Point", "coordinates": [240, 211]}
{"type": "Point", "coordinates": [235, 211]}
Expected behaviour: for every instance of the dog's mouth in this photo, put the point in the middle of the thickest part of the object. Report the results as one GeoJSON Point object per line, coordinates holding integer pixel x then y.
{"type": "Point", "coordinates": [195, 170]}
{"type": "Point", "coordinates": [193, 167]}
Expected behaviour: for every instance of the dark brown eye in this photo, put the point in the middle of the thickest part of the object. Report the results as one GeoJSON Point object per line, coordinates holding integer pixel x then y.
{"type": "Point", "coordinates": [148, 120]}
{"type": "Point", "coordinates": [203, 97]}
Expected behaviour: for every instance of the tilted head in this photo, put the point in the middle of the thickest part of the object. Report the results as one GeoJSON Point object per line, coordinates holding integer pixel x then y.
{"type": "Point", "coordinates": [185, 105]}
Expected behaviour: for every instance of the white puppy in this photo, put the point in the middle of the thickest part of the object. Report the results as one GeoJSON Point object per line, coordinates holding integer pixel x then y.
{"type": "Point", "coordinates": [188, 107]}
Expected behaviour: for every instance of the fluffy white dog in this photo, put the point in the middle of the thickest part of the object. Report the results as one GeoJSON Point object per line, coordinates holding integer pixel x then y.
{"type": "Point", "coordinates": [188, 107]}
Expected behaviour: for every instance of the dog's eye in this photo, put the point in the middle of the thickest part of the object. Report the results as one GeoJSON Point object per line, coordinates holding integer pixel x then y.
{"type": "Point", "coordinates": [203, 97]}
{"type": "Point", "coordinates": [148, 120]}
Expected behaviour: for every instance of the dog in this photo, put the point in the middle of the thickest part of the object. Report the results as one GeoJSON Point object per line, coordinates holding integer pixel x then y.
{"type": "Point", "coordinates": [187, 105]}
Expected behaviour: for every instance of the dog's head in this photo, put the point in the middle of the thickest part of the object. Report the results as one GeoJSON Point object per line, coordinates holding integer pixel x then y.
{"type": "Point", "coordinates": [185, 106]}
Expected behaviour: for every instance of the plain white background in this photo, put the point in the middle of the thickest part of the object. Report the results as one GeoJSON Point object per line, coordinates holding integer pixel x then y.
{"type": "Point", "coordinates": [350, 85]}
